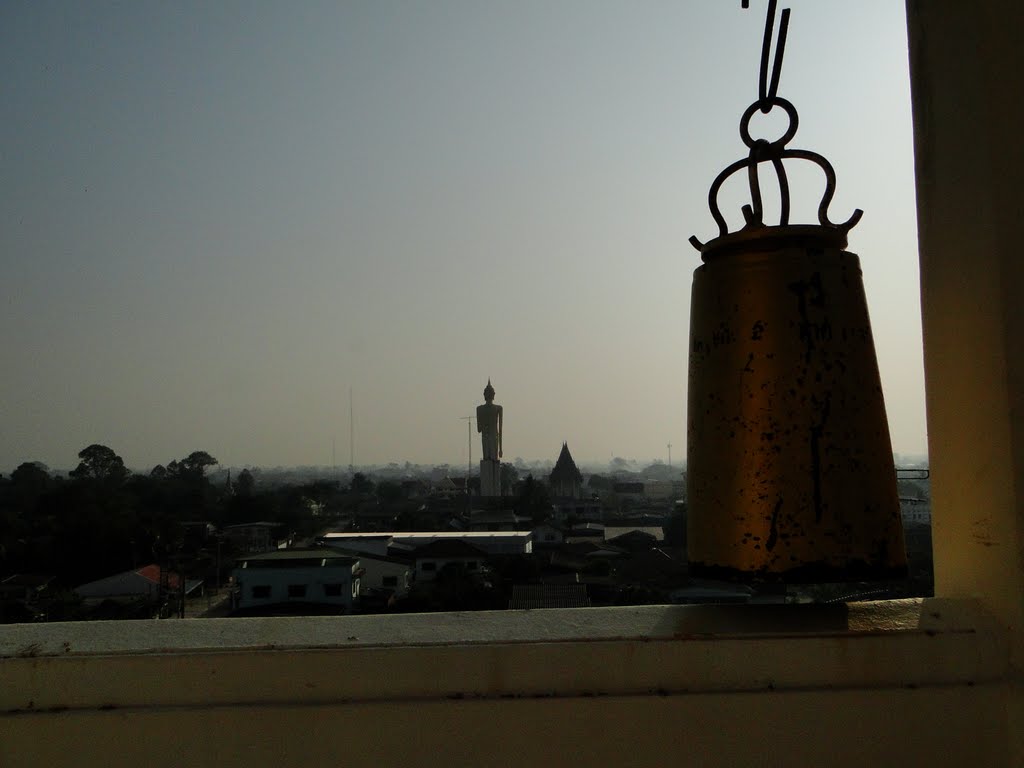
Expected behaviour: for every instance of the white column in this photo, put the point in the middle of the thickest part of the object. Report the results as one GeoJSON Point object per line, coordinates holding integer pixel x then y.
{"type": "Point", "coordinates": [967, 79]}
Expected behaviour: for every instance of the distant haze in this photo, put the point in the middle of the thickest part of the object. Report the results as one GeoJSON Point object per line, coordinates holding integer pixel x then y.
{"type": "Point", "coordinates": [217, 218]}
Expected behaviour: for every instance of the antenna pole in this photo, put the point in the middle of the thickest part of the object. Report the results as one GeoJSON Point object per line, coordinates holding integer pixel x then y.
{"type": "Point", "coordinates": [469, 446]}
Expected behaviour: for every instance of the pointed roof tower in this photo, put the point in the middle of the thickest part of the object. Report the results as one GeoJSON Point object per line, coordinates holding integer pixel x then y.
{"type": "Point", "coordinates": [566, 479]}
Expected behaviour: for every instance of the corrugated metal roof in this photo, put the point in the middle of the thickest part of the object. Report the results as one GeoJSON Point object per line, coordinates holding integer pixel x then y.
{"type": "Point", "coordinates": [445, 548]}
{"type": "Point", "coordinates": [657, 531]}
{"type": "Point", "coordinates": [143, 582]}
{"type": "Point", "coordinates": [296, 555]}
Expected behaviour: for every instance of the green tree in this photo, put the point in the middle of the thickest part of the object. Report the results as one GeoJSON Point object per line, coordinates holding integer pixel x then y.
{"type": "Point", "coordinates": [456, 588]}
{"type": "Point", "coordinates": [196, 463]}
{"type": "Point", "coordinates": [98, 462]}
{"type": "Point", "coordinates": [659, 470]}
{"type": "Point", "coordinates": [30, 480]}
{"type": "Point", "coordinates": [533, 500]}
{"type": "Point", "coordinates": [509, 478]}
{"type": "Point", "coordinates": [390, 493]}
{"type": "Point", "coordinates": [361, 484]}
{"type": "Point", "coordinates": [618, 465]}
{"type": "Point", "coordinates": [245, 483]}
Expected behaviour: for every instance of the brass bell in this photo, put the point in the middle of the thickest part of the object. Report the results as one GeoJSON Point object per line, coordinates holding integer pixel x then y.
{"type": "Point", "coordinates": [790, 473]}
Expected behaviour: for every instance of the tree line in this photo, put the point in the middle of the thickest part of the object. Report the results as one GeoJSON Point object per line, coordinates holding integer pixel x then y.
{"type": "Point", "coordinates": [103, 519]}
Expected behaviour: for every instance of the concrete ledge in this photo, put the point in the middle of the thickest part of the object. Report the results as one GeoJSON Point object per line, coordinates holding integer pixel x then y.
{"type": "Point", "coordinates": [546, 653]}
{"type": "Point", "coordinates": [647, 622]}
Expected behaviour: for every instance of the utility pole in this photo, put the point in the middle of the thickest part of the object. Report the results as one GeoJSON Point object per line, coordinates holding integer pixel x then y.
{"type": "Point", "coordinates": [469, 461]}
{"type": "Point", "coordinates": [469, 446]}
{"type": "Point", "coordinates": [351, 435]}
{"type": "Point", "coordinates": [670, 455]}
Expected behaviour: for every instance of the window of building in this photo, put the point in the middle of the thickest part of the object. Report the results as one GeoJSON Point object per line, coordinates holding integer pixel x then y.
{"type": "Point", "coordinates": [332, 590]}
{"type": "Point", "coordinates": [471, 565]}
{"type": "Point", "coordinates": [390, 581]}
{"type": "Point", "coordinates": [429, 565]}
{"type": "Point", "coordinates": [296, 590]}
{"type": "Point", "coordinates": [261, 592]}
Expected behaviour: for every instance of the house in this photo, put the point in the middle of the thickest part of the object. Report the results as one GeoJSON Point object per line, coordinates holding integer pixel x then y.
{"type": "Point", "coordinates": [635, 539]}
{"type": "Point", "coordinates": [24, 587]}
{"type": "Point", "coordinates": [497, 520]}
{"type": "Point", "coordinates": [309, 576]}
{"type": "Point", "coordinates": [585, 532]}
{"type": "Point", "coordinates": [372, 516]}
{"type": "Point", "coordinates": [431, 558]}
{"type": "Point", "coordinates": [569, 509]}
{"type": "Point", "coordinates": [353, 541]}
{"type": "Point", "coordinates": [664, 490]}
{"type": "Point", "coordinates": [583, 555]}
{"type": "Point", "coordinates": [22, 595]}
{"type": "Point", "coordinates": [547, 535]}
{"type": "Point", "coordinates": [415, 488]}
{"type": "Point", "coordinates": [629, 490]}
{"type": "Point", "coordinates": [251, 538]}
{"type": "Point", "coordinates": [148, 583]}
{"type": "Point", "coordinates": [381, 574]}
{"type": "Point", "coordinates": [448, 487]}
{"type": "Point", "coordinates": [491, 542]}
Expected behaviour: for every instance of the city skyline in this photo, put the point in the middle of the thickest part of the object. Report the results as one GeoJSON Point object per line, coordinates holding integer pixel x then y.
{"type": "Point", "coordinates": [219, 220]}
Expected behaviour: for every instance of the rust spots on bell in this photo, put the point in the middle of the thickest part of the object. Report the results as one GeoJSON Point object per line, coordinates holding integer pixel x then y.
{"type": "Point", "coordinates": [790, 467]}
{"type": "Point", "coordinates": [773, 531]}
{"type": "Point", "coordinates": [981, 532]}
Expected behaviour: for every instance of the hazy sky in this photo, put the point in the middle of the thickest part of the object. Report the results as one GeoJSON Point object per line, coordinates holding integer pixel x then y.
{"type": "Point", "coordinates": [217, 217]}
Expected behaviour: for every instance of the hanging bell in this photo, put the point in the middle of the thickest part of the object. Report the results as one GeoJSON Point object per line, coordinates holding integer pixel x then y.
{"type": "Point", "coordinates": [790, 473]}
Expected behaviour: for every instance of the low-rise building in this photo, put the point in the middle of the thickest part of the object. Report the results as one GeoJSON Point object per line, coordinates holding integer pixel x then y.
{"type": "Point", "coordinates": [635, 540]}
{"type": "Point", "coordinates": [252, 538]}
{"type": "Point", "coordinates": [381, 574]}
{"type": "Point", "coordinates": [431, 558]}
{"type": "Point", "coordinates": [318, 576]}
{"type": "Point", "coordinates": [547, 535]}
{"type": "Point", "coordinates": [664, 490]}
{"type": "Point", "coordinates": [496, 520]}
{"type": "Point", "coordinates": [568, 509]}
{"type": "Point", "coordinates": [585, 532]}
{"type": "Point", "coordinates": [22, 596]}
{"type": "Point", "coordinates": [629, 490]}
{"type": "Point", "coordinates": [491, 542]}
{"type": "Point", "coordinates": [149, 583]}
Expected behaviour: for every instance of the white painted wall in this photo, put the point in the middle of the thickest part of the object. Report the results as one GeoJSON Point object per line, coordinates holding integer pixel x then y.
{"type": "Point", "coordinates": [314, 579]}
